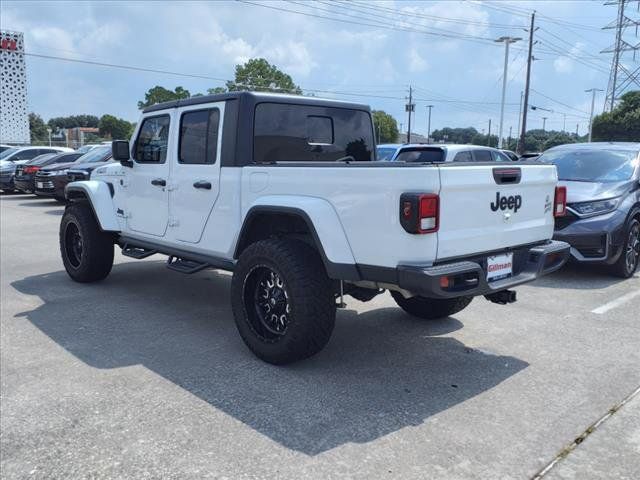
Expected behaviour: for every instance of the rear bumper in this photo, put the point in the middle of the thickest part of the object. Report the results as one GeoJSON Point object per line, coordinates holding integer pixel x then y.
{"type": "Point", "coordinates": [25, 184]}
{"type": "Point", "coordinates": [469, 276]}
{"type": "Point", "coordinates": [6, 182]}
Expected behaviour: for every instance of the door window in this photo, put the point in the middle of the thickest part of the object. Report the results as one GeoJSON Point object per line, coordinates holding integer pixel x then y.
{"type": "Point", "coordinates": [151, 145]}
{"type": "Point", "coordinates": [199, 136]}
{"type": "Point", "coordinates": [482, 155]}
{"type": "Point", "coordinates": [463, 157]}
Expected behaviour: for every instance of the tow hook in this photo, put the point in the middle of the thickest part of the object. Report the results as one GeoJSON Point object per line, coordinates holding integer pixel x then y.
{"type": "Point", "coordinates": [502, 297]}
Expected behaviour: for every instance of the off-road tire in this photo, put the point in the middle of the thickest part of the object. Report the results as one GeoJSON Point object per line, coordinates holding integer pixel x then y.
{"type": "Point", "coordinates": [308, 298]}
{"type": "Point", "coordinates": [626, 266]}
{"type": "Point", "coordinates": [93, 259]}
{"type": "Point", "coordinates": [431, 308]}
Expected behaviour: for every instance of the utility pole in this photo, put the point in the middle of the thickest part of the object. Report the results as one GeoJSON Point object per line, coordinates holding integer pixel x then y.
{"type": "Point", "coordinates": [507, 41]}
{"type": "Point", "coordinates": [593, 101]}
{"type": "Point", "coordinates": [429, 124]}
{"type": "Point", "coordinates": [527, 84]}
{"type": "Point", "coordinates": [519, 118]}
{"type": "Point", "coordinates": [410, 107]}
{"type": "Point", "coordinates": [509, 139]}
{"type": "Point", "coordinates": [564, 122]}
{"type": "Point", "coordinates": [577, 125]}
{"type": "Point", "coordinates": [544, 123]}
{"type": "Point", "coordinates": [489, 135]}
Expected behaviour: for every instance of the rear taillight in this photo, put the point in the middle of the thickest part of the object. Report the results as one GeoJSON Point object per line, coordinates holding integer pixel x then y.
{"type": "Point", "coordinates": [560, 202]}
{"type": "Point", "coordinates": [419, 212]}
{"type": "Point", "coordinates": [30, 169]}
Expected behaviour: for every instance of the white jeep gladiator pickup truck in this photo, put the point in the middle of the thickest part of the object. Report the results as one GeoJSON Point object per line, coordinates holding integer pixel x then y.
{"type": "Point", "coordinates": [286, 192]}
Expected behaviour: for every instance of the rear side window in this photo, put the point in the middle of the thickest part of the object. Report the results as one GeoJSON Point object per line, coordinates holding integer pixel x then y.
{"type": "Point", "coordinates": [289, 133]}
{"type": "Point", "coordinates": [26, 154]}
{"type": "Point", "coordinates": [499, 156]}
{"type": "Point", "coordinates": [482, 156]}
{"type": "Point", "coordinates": [151, 145]}
{"type": "Point", "coordinates": [463, 157]}
{"type": "Point", "coordinates": [421, 155]}
{"type": "Point", "coordinates": [72, 157]}
{"type": "Point", "coordinates": [199, 136]}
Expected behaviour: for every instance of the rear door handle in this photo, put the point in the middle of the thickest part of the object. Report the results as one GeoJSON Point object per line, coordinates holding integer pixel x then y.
{"type": "Point", "coordinates": [202, 184]}
{"type": "Point", "coordinates": [159, 182]}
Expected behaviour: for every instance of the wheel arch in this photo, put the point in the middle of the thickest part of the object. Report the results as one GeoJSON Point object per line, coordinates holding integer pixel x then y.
{"type": "Point", "coordinates": [99, 196]}
{"type": "Point", "coordinates": [323, 232]}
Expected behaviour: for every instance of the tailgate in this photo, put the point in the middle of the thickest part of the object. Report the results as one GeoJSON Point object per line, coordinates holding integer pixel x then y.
{"type": "Point", "coordinates": [484, 208]}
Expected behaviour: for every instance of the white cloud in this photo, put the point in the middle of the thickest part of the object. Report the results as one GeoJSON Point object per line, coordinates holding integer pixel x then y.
{"type": "Point", "coordinates": [291, 57]}
{"type": "Point", "coordinates": [416, 62]}
{"type": "Point", "coordinates": [564, 63]}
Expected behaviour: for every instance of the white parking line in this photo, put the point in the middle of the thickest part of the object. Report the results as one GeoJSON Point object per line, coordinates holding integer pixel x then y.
{"type": "Point", "coordinates": [615, 303]}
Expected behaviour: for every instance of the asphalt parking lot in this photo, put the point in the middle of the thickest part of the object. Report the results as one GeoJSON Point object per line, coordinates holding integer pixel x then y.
{"type": "Point", "coordinates": [144, 376]}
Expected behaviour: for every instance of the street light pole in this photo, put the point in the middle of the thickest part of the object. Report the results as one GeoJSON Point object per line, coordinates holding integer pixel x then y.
{"type": "Point", "coordinates": [593, 101]}
{"type": "Point", "coordinates": [429, 124]}
{"type": "Point", "coordinates": [507, 41]}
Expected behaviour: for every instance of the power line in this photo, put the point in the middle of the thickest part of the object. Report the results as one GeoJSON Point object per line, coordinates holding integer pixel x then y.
{"type": "Point", "coordinates": [218, 79]}
{"type": "Point", "coordinates": [558, 102]}
{"type": "Point", "coordinates": [462, 21]}
{"type": "Point", "coordinates": [468, 38]}
{"type": "Point", "coordinates": [382, 22]}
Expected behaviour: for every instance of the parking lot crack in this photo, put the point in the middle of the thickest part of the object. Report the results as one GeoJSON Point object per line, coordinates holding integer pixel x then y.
{"type": "Point", "coordinates": [568, 449]}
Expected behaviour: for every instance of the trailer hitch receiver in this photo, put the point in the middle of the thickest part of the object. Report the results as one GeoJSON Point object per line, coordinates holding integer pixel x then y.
{"type": "Point", "coordinates": [502, 297]}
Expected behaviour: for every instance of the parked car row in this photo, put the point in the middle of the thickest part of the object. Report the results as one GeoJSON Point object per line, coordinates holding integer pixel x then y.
{"type": "Point", "coordinates": [442, 152]}
{"type": "Point", "coordinates": [602, 180]}
{"type": "Point", "coordinates": [47, 170]}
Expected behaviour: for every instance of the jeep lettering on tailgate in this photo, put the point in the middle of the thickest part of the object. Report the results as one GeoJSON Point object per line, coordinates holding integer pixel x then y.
{"type": "Point", "coordinates": [513, 202]}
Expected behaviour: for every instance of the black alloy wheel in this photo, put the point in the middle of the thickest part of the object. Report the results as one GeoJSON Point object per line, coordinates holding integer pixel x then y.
{"type": "Point", "coordinates": [73, 244]}
{"type": "Point", "coordinates": [267, 303]}
{"type": "Point", "coordinates": [632, 248]}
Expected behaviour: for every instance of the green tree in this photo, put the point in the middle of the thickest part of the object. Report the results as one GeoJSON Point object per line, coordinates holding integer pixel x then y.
{"type": "Point", "coordinates": [455, 135]}
{"type": "Point", "coordinates": [557, 138]}
{"type": "Point", "coordinates": [259, 75]}
{"type": "Point", "coordinates": [73, 121]}
{"type": "Point", "coordinates": [385, 126]}
{"type": "Point", "coordinates": [37, 128]}
{"type": "Point", "coordinates": [115, 128]}
{"type": "Point", "coordinates": [216, 90]}
{"type": "Point", "coordinates": [621, 124]}
{"type": "Point", "coordinates": [160, 94]}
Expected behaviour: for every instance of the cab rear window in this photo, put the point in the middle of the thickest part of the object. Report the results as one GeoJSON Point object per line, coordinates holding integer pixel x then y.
{"type": "Point", "coordinates": [308, 133]}
{"type": "Point", "coordinates": [421, 155]}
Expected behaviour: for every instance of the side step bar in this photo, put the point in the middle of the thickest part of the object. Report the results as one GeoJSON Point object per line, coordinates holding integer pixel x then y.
{"type": "Point", "coordinates": [137, 252]}
{"type": "Point", "coordinates": [183, 265]}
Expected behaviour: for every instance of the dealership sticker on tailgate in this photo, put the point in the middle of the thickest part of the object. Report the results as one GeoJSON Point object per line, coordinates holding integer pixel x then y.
{"type": "Point", "coordinates": [499, 266]}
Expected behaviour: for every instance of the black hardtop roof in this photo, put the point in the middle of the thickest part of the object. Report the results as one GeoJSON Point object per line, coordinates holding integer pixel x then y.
{"type": "Point", "coordinates": [258, 97]}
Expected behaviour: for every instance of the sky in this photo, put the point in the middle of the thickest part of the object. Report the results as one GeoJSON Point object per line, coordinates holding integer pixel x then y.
{"type": "Point", "coordinates": [368, 52]}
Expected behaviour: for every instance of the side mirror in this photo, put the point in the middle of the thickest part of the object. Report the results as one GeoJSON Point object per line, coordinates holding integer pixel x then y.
{"type": "Point", "coordinates": [120, 152]}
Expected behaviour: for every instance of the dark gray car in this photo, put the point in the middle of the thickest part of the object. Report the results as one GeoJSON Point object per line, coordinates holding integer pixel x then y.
{"type": "Point", "coordinates": [602, 223]}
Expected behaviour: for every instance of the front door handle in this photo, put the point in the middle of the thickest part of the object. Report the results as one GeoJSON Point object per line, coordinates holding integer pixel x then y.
{"type": "Point", "coordinates": [159, 182]}
{"type": "Point", "coordinates": [202, 184]}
